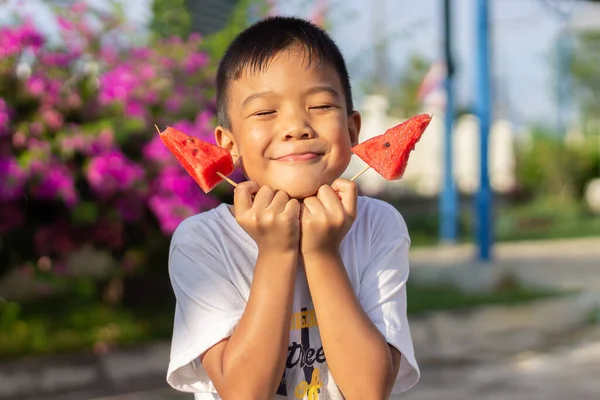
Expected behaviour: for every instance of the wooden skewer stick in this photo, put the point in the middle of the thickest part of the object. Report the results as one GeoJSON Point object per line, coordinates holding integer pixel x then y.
{"type": "Point", "coordinates": [227, 179]}
{"type": "Point", "coordinates": [365, 169]}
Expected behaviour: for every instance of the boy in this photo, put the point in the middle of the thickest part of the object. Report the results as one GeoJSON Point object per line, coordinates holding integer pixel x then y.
{"type": "Point", "coordinates": [297, 291]}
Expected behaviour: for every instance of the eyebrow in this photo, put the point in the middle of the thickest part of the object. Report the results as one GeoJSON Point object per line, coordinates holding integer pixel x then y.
{"type": "Point", "coordinates": [312, 90]}
{"type": "Point", "coordinates": [323, 88]}
{"type": "Point", "coordinates": [256, 96]}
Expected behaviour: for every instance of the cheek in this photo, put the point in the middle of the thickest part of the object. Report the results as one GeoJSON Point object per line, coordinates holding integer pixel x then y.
{"type": "Point", "coordinates": [339, 136]}
{"type": "Point", "coordinates": [335, 122]}
{"type": "Point", "coordinates": [252, 149]}
{"type": "Point", "coordinates": [253, 141]}
{"type": "Point", "coordinates": [344, 157]}
{"type": "Point", "coordinates": [337, 132]}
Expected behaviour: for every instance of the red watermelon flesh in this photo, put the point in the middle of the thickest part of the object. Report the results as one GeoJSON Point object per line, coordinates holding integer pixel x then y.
{"type": "Point", "coordinates": [388, 153]}
{"type": "Point", "coordinates": [200, 159]}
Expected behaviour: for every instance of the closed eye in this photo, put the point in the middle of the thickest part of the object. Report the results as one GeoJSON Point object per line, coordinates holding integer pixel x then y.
{"type": "Point", "coordinates": [263, 113]}
{"type": "Point", "coordinates": [323, 107]}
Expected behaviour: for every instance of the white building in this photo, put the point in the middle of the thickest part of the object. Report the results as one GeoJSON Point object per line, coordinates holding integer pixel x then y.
{"type": "Point", "coordinates": [424, 173]}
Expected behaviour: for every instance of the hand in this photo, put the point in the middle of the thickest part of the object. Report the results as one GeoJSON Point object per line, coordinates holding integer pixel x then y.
{"type": "Point", "coordinates": [272, 219]}
{"type": "Point", "coordinates": [327, 217]}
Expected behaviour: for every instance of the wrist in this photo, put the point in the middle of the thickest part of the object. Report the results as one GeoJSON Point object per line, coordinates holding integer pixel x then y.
{"type": "Point", "coordinates": [278, 256]}
{"type": "Point", "coordinates": [278, 247]}
{"type": "Point", "coordinates": [324, 266]}
{"type": "Point", "coordinates": [321, 255]}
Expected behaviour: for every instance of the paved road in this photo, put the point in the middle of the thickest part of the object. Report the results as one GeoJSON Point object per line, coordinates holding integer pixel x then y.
{"type": "Point", "coordinates": [569, 371]}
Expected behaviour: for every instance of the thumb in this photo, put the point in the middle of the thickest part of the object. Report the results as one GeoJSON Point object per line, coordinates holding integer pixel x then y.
{"type": "Point", "coordinates": [243, 195]}
{"type": "Point", "coordinates": [348, 193]}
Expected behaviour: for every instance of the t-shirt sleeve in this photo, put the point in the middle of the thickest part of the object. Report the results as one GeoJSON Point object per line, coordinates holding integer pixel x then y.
{"type": "Point", "coordinates": [208, 307]}
{"type": "Point", "coordinates": [383, 291]}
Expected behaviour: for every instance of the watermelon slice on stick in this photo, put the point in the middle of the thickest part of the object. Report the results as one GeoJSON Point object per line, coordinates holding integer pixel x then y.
{"type": "Point", "coordinates": [388, 153]}
{"type": "Point", "coordinates": [207, 163]}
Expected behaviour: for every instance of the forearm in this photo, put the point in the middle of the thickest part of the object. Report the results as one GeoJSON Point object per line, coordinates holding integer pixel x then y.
{"type": "Point", "coordinates": [357, 354]}
{"type": "Point", "coordinates": [254, 359]}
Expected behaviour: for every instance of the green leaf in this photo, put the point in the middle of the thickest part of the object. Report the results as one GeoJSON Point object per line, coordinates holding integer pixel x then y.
{"type": "Point", "coordinates": [85, 213]}
{"type": "Point", "coordinates": [9, 313]}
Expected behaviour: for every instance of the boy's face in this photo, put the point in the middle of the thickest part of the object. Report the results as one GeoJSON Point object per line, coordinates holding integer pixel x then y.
{"type": "Point", "coordinates": [289, 125]}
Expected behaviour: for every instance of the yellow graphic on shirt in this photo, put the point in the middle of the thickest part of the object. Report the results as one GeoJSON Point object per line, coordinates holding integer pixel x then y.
{"type": "Point", "coordinates": [303, 319]}
{"type": "Point", "coordinates": [310, 389]}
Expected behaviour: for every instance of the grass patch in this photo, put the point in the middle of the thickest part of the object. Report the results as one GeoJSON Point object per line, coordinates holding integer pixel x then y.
{"type": "Point", "coordinates": [540, 219]}
{"type": "Point", "coordinates": [546, 219]}
{"type": "Point", "coordinates": [423, 299]}
{"type": "Point", "coordinates": [63, 325]}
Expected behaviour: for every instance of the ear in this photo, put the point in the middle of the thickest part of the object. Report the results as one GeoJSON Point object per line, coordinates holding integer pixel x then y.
{"type": "Point", "coordinates": [225, 139]}
{"type": "Point", "coordinates": [354, 124]}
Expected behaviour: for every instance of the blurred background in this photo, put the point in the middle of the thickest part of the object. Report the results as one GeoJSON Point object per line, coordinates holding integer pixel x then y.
{"type": "Point", "coordinates": [501, 196]}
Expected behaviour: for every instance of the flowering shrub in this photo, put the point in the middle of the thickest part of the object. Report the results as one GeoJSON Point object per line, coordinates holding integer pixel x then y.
{"type": "Point", "coordinates": [81, 162]}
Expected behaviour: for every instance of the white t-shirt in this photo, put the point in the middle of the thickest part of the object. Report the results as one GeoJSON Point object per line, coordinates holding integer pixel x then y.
{"type": "Point", "coordinates": [211, 264]}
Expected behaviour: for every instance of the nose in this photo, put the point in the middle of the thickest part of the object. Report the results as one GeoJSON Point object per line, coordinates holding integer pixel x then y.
{"type": "Point", "coordinates": [297, 127]}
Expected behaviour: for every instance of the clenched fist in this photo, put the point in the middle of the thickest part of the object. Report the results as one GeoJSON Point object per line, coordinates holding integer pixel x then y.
{"type": "Point", "coordinates": [272, 219]}
{"type": "Point", "coordinates": [327, 217]}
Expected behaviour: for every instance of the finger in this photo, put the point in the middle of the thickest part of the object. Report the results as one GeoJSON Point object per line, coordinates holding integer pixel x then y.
{"type": "Point", "coordinates": [313, 205]}
{"type": "Point", "coordinates": [263, 197]}
{"type": "Point", "coordinates": [348, 193]}
{"type": "Point", "coordinates": [330, 199]}
{"type": "Point", "coordinates": [280, 200]}
{"type": "Point", "coordinates": [292, 207]}
{"type": "Point", "coordinates": [242, 196]}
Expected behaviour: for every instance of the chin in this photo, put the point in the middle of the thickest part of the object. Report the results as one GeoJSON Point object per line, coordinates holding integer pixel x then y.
{"type": "Point", "coordinates": [302, 194]}
{"type": "Point", "coordinates": [299, 191]}
{"type": "Point", "coordinates": [301, 187]}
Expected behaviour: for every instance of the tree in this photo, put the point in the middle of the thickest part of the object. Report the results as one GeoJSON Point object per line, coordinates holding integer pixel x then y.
{"type": "Point", "coordinates": [404, 99]}
{"type": "Point", "coordinates": [170, 18]}
{"type": "Point", "coordinates": [244, 13]}
{"type": "Point", "coordinates": [584, 69]}
{"type": "Point", "coordinates": [173, 18]}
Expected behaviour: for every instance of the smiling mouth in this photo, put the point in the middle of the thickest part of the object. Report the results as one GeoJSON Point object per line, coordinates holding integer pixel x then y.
{"type": "Point", "coordinates": [299, 157]}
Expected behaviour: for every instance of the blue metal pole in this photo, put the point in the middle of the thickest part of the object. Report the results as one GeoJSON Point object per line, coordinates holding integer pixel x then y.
{"type": "Point", "coordinates": [483, 87]}
{"type": "Point", "coordinates": [448, 200]}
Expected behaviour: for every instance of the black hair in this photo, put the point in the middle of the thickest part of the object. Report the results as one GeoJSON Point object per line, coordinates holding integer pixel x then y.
{"type": "Point", "coordinates": [256, 46]}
